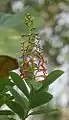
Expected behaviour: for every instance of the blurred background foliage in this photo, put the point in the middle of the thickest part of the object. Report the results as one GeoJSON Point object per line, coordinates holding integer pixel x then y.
{"type": "Point", "coordinates": [51, 19]}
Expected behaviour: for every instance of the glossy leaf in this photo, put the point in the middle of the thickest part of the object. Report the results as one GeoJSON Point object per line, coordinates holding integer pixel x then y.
{"type": "Point", "coordinates": [40, 99]}
{"type": "Point", "coordinates": [16, 107]}
{"type": "Point", "coordinates": [18, 98]}
{"type": "Point", "coordinates": [20, 83]}
{"type": "Point", "coordinates": [51, 78]}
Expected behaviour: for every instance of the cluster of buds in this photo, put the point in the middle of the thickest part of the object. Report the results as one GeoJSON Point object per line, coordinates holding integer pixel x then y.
{"type": "Point", "coordinates": [32, 65]}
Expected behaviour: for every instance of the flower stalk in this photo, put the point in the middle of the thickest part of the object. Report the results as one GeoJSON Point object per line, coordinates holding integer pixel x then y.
{"type": "Point", "coordinates": [33, 63]}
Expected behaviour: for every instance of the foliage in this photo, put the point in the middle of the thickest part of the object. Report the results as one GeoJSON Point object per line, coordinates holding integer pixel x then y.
{"type": "Point", "coordinates": [49, 9]}
{"type": "Point", "coordinates": [22, 102]}
{"type": "Point", "coordinates": [11, 28]}
{"type": "Point", "coordinates": [27, 94]}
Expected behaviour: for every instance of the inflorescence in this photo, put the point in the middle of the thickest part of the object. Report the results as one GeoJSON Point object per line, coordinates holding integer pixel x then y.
{"type": "Point", "coordinates": [32, 65]}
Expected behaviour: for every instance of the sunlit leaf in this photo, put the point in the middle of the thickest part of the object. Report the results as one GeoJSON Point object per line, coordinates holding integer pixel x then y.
{"type": "Point", "coordinates": [20, 83]}
{"type": "Point", "coordinates": [18, 98]}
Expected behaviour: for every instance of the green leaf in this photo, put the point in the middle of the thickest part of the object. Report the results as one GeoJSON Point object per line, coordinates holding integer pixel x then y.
{"type": "Point", "coordinates": [18, 98]}
{"type": "Point", "coordinates": [8, 96]}
{"type": "Point", "coordinates": [9, 42]}
{"type": "Point", "coordinates": [3, 117]}
{"type": "Point", "coordinates": [3, 97]}
{"type": "Point", "coordinates": [6, 112]}
{"type": "Point", "coordinates": [34, 87]}
{"type": "Point", "coordinates": [3, 83]}
{"type": "Point", "coordinates": [43, 90]}
{"type": "Point", "coordinates": [51, 78]}
{"type": "Point", "coordinates": [11, 28]}
{"type": "Point", "coordinates": [12, 118]}
{"type": "Point", "coordinates": [44, 111]}
{"type": "Point", "coordinates": [2, 101]}
{"type": "Point", "coordinates": [40, 99]}
{"type": "Point", "coordinates": [35, 84]}
{"type": "Point", "coordinates": [16, 21]}
{"type": "Point", "coordinates": [20, 83]}
{"type": "Point", "coordinates": [16, 107]}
